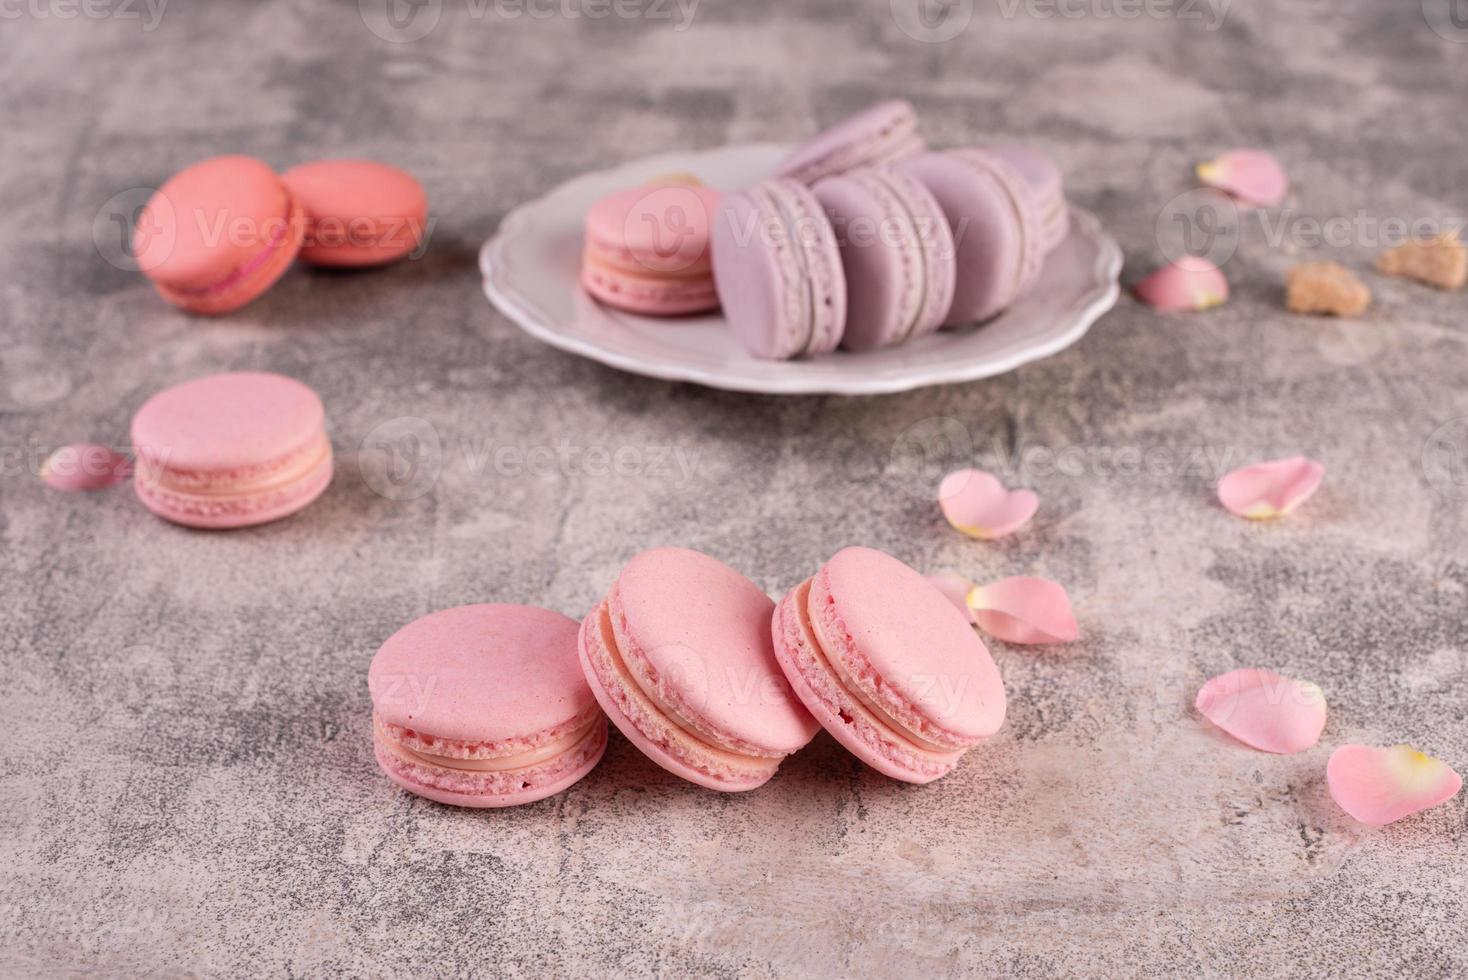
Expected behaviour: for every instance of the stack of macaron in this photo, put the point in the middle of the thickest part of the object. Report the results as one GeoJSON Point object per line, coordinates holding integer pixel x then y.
{"type": "Point", "coordinates": [493, 705]}
{"type": "Point", "coordinates": [862, 239]}
{"type": "Point", "coordinates": [647, 248]}
{"type": "Point", "coordinates": [218, 234]}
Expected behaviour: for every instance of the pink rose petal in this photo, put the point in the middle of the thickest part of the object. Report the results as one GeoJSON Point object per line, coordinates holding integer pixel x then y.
{"type": "Point", "coordinates": [1378, 786]}
{"type": "Point", "coordinates": [977, 504]}
{"type": "Point", "coordinates": [1024, 610]}
{"type": "Point", "coordinates": [1265, 491]}
{"type": "Point", "coordinates": [1191, 283]}
{"type": "Point", "coordinates": [1265, 710]}
{"type": "Point", "coordinates": [956, 588]}
{"type": "Point", "coordinates": [84, 466]}
{"type": "Point", "coordinates": [1251, 176]}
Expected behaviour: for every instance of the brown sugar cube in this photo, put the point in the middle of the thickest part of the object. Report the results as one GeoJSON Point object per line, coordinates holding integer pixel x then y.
{"type": "Point", "coordinates": [1440, 261]}
{"type": "Point", "coordinates": [1325, 288]}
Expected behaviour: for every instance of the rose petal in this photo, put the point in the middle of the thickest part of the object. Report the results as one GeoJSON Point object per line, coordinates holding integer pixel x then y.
{"type": "Point", "coordinates": [1265, 491]}
{"type": "Point", "coordinates": [84, 466]}
{"type": "Point", "coordinates": [977, 504]}
{"type": "Point", "coordinates": [1265, 710]}
{"type": "Point", "coordinates": [1252, 176]}
{"type": "Point", "coordinates": [956, 588]}
{"type": "Point", "coordinates": [1191, 283]}
{"type": "Point", "coordinates": [1024, 610]}
{"type": "Point", "coordinates": [1378, 786]}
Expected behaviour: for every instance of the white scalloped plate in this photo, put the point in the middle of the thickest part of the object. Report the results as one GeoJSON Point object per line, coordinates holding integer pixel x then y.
{"type": "Point", "coordinates": [531, 270]}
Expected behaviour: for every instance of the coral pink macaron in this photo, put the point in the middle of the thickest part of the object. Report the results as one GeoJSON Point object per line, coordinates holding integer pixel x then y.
{"type": "Point", "coordinates": [484, 706]}
{"type": "Point", "coordinates": [218, 234]}
{"type": "Point", "coordinates": [679, 656]}
{"type": "Point", "coordinates": [647, 249]}
{"type": "Point", "coordinates": [358, 212]}
{"type": "Point", "coordinates": [888, 665]}
{"type": "Point", "coordinates": [231, 450]}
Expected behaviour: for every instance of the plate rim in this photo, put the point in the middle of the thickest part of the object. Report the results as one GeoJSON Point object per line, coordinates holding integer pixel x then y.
{"type": "Point", "coordinates": [502, 294]}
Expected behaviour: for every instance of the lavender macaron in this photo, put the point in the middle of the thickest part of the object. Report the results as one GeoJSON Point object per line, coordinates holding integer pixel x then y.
{"type": "Point", "coordinates": [897, 253]}
{"type": "Point", "coordinates": [778, 271]}
{"type": "Point", "coordinates": [1047, 186]}
{"type": "Point", "coordinates": [998, 229]}
{"type": "Point", "coordinates": [881, 133]}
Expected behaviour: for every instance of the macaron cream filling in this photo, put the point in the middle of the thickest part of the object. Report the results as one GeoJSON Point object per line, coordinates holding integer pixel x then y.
{"type": "Point", "coordinates": [816, 282]}
{"type": "Point", "coordinates": [153, 461]}
{"type": "Point", "coordinates": [859, 676]}
{"type": "Point", "coordinates": [410, 747]}
{"type": "Point", "coordinates": [1031, 253]}
{"type": "Point", "coordinates": [652, 721]}
{"type": "Point", "coordinates": [897, 219]}
{"type": "Point", "coordinates": [797, 640]}
{"type": "Point", "coordinates": [535, 767]}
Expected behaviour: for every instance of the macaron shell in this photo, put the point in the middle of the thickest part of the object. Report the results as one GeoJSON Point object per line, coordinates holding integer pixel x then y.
{"type": "Point", "coordinates": [1046, 183]}
{"type": "Point", "coordinates": [880, 261]}
{"type": "Point", "coordinates": [655, 229]}
{"type": "Point", "coordinates": [659, 754]}
{"type": "Point", "coordinates": [841, 712]}
{"type": "Point", "coordinates": [936, 239]}
{"type": "Point", "coordinates": [218, 234]}
{"type": "Point", "coordinates": [759, 280]}
{"type": "Point", "coordinates": [647, 295]}
{"type": "Point", "coordinates": [914, 639]}
{"type": "Point", "coordinates": [1027, 210]}
{"type": "Point", "coordinates": [881, 133]}
{"type": "Point", "coordinates": [704, 628]}
{"type": "Point", "coordinates": [536, 791]}
{"type": "Point", "coordinates": [993, 253]}
{"type": "Point", "coordinates": [820, 258]}
{"type": "Point", "coordinates": [226, 422]}
{"type": "Point", "coordinates": [358, 212]}
{"type": "Point", "coordinates": [483, 673]}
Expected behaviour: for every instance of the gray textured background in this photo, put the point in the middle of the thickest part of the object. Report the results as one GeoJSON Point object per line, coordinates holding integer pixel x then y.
{"type": "Point", "coordinates": [186, 783]}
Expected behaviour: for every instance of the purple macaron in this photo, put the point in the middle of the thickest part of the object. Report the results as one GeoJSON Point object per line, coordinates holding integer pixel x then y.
{"type": "Point", "coordinates": [882, 133]}
{"type": "Point", "coordinates": [1046, 184]}
{"type": "Point", "coordinates": [998, 230]}
{"type": "Point", "coordinates": [778, 271]}
{"type": "Point", "coordinates": [897, 252]}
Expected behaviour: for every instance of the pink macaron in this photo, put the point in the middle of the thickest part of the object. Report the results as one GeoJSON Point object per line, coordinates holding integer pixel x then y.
{"type": "Point", "coordinates": [1047, 186]}
{"type": "Point", "coordinates": [358, 212]}
{"type": "Point", "coordinates": [231, 450]}
{"type": "Point", "coordinates": [778, 270]}
{"type": "Point", "coordinates": [679, 656]}
{"type": "Point", "coordinates": [896, 252]}
{"type": "Point", "coordinates": [484, 706]}
{"type": "Point", "coordinates": [998, 229]}
{"type": "Point", "coordinates": [647, 249]}
{"type": "Point", "coordinates": [888, 665]}
{"type": "Point", "coordinates": [218, 234]}
{"type": "Point", "coordinates": [881, 133]}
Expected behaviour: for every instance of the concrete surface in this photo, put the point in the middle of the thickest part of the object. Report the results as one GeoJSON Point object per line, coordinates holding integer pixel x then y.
{"type": "Point", "coordinates": [186, 785]}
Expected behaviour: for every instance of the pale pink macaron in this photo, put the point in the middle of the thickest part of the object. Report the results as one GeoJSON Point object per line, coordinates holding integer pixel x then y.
{"type": "Point", "coordinates": [231, 450]}
{"type": "Point", "coordinates": [647, 249]}
{"type": "Point", "coordinates": [218, 234]}
{"type": "Point", "coordinates": [484, 706]}
{"type": "Point", "coordinates": [358, 212]}
{"type": "Point", "coordinates": [888, 665]}
{"type": "Point", "coordinates": [679, 656]}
